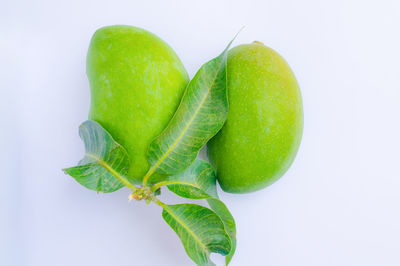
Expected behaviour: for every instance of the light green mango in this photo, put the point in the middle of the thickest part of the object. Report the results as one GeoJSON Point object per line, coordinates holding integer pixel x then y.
{"type": "Point", "coordinates": [262, 134]}
{"type": "Point", "coordinates": [136, 83]}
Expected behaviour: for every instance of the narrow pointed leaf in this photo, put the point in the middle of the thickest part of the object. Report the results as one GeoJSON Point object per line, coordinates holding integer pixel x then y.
{"type": "Point", "coordinates": [200, 115]}
{"type": "Point", "coordinates": [200, 230]}
{"type": "Point", "coordinates": [200, 183]}
{"type": "Point", "coordinates": [104, 160]}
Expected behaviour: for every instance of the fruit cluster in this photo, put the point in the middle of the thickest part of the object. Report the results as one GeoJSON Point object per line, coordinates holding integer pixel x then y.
{"type": "Point", "coordinates": [148, 121]}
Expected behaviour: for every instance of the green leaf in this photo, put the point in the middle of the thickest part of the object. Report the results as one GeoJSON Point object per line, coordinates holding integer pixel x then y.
{"type": "Point", "coordinates": [200, 230]}
{"type": "Point", "coordinates": [196, 182]}
{"type": "Point", "coordinates": [200, 115]}
{"type": "Point", "coordinates": [229, 223]}
{"type": "Point", "coordinates": [105, 164]}
{"type": "Point", "coordinates": [199, 182]}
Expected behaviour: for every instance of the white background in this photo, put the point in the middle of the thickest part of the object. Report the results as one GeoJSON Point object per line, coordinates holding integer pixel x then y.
{"type": "Point", "coordinates": [337, 205]}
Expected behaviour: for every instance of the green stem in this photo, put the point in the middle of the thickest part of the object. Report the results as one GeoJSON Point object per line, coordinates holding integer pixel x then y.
{"type": "Point", "coordinates": [147, 176]}
{"type": "Point", "coordinates": [158, 202]}
{"type": "Point", "coordinates": [166, 183]}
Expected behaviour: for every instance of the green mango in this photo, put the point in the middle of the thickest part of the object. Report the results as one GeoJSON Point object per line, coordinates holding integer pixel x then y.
{"type": "Point", "coordinates": [262, 133]}
{"type": "Point", "coordinates": [136, 83]}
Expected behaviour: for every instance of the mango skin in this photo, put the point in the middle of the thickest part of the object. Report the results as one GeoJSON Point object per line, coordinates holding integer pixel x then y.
{"type": "Point", "coordinates": [136, 83]}
{"type": "Point", "coordinates": [262, 134]}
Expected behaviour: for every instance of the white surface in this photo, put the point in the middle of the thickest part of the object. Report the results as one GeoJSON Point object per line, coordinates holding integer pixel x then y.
{"type": "Point", "coordinates": [337, 205]}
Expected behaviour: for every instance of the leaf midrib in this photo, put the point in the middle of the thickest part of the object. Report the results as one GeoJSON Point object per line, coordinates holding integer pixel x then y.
{"type": "Point", "coordinates": [186, 227]}
{"type": "Point", "coordinates": [103, 163]}
{"type": "Point", "coordinates": [111, 170]}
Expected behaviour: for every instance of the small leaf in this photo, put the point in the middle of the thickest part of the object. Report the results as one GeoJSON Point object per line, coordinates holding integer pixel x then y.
{"type": "Point", "coordinates": [200, 230]}
{"type": "Point", "coordinates": [200, 115]}
{"type": "Point", "coordinates": [199, 182]}
{"type": "Point", "coordinates": [105, 163]}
